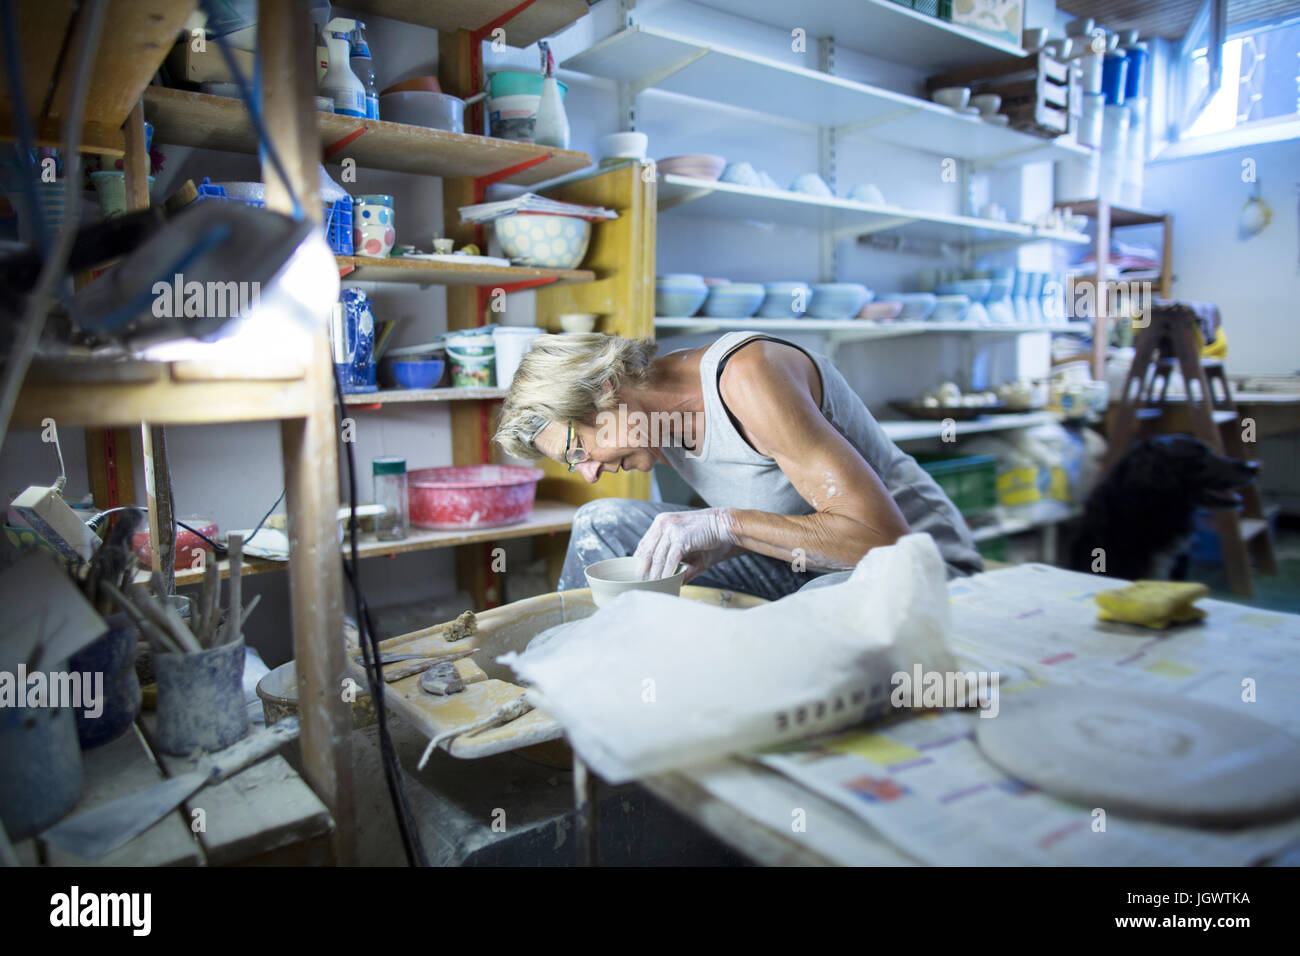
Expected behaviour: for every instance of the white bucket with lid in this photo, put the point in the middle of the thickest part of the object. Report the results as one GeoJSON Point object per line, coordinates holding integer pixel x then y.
{"type": "Point", "coordinates": [511, 341]}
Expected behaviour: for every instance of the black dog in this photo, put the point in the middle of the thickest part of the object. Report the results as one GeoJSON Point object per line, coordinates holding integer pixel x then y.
{"type": "Point", "coordinates": [1140, 515]}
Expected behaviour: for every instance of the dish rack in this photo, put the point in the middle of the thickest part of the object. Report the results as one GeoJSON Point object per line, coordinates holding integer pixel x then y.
{"type": "Point", "coordinates": [338, 215]}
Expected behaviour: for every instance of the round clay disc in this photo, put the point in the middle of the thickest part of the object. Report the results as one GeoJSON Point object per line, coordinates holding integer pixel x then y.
{"type": "Point", "coordinates": [1153, 756]}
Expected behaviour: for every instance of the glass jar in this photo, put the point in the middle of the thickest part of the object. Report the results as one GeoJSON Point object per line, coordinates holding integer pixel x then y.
{"type": "Point", "coordinates": [390, 491]}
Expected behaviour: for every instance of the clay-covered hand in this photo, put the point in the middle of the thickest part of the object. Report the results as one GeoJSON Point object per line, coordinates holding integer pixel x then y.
{"type": "Point", "coordinates": [700, 539]}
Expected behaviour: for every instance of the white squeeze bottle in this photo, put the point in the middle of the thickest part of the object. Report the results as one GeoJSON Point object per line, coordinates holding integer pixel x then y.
{"type": "Point", "coordinates": [340, 82]}
{"type": "Point", "coordinates": [552, 126]}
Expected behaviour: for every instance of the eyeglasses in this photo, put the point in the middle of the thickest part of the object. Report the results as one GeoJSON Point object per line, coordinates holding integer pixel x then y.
{"type": "Point", "coordinates": [574, 453]}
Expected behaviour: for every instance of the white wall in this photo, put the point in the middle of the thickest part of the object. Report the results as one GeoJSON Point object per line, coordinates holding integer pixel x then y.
{"type": "Point", "coordinates": [1256, 281]}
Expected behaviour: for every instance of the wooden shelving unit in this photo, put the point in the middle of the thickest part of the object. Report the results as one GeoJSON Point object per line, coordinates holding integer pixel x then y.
{"type": "Point", "coordinates": [1109, 217]}
{"type": "Point", "coordinates": [409, 396]}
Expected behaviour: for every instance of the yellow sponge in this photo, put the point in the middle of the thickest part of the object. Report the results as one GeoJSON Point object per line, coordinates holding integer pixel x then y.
{"type": "Point", "coordinates": [1155, 604]}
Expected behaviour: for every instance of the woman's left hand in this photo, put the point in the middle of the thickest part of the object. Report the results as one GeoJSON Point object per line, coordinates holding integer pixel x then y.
{"type": "Point", "coordinates": [699, 538]}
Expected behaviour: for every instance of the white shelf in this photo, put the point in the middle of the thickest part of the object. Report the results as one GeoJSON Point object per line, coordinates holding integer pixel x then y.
{"type": "Point", "coordinates": [406, 396]}
{"type": "Point", "coordinates": [844, 218]}
{"type": "Point", "coordinates": [919, 430]}
{"type": "Point", "coordinates": [850, 330]}
{"type": "Point", "coordinates": [880, 28]}
{"type": "Point", "coordinates": [644, 57]}
{"type": "Point", "coordinates": [1021, 525]}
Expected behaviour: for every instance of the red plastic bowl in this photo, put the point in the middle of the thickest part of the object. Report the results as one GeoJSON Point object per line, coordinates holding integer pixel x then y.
{"type": "Point", "coordinates": [471, 496]}
{"type": "Point", "coordinates": [186, 544]}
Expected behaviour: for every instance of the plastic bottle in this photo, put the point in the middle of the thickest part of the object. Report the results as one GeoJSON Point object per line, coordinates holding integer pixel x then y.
{"type": "Point", "coordinates": [320, 15]}
{"type": "Point", "coordinates": [552, 128]}
{"type": "Point", "coordinates": [364, 68]}
{"type": "Point", "coordinates": [340, 82]}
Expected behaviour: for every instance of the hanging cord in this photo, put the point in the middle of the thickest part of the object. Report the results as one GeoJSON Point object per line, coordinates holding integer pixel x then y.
{"type": "Point", "coordinates": [29, 332]}
{"type": "Point", "coordinates": [370, 653]}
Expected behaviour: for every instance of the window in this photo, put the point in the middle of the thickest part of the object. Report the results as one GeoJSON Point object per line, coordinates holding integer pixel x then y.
{"type": "Point", "coordinates": [1246, 91]}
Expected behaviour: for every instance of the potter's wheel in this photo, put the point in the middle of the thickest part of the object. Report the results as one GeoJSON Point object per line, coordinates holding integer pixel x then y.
{"type": "Point", "coordinates": [1146, 755]}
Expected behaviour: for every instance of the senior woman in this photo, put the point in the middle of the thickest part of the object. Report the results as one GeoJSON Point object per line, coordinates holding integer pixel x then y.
{"type": "Point", "coordinates": [800, 479]}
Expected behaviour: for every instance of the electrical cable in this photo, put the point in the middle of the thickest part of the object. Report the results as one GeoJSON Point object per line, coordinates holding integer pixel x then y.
{"type": "Point", "coordinates": [32, 325]}
{"type": "Point", "coordinates": [370, 654]}
{"type": "Point", "coordinates": [100, 516]}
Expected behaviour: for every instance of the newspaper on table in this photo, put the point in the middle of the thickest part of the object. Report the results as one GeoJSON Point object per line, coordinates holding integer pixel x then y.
{"type": "Point", "coordinates": [923, 784]}
{"type": "Point", "coordinates": [532, 203]}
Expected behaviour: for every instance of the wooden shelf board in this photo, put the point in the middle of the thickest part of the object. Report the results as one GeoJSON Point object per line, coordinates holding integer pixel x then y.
{"type": "Point", "coordinates": [540, 20]}
{"type": "Point", "coordinates": [107, 394]}
{"type": "Point", "coordinates": [220, 122]}
{"type": "Point", "coordinates": [880, 28]}
{"type": "Point", "coordinates": [426, 272]}
{"type": "Point", "coordinates": [406, 396]}
{"type": "Point", "coordinates": [546, 517]}
{"type": "Point", "coordinates": [1119, 215]}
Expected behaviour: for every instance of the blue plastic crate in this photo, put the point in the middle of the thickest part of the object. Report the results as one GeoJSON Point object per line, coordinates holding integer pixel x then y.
{"type": "Point", "coordinates": [338, 222]}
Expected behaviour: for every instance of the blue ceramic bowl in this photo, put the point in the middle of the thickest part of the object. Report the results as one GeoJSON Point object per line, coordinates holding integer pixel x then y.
{"type": "Point", "coordinates": [679, 295]}
{"type": "Point", "coordinates": [837, 300]}
{"type": "Point", "coordinates": [785, 300]}
{"type": "Point", "coordinates": [735, 300]}
{"type": "Point", "coordinates": [418, 374]}
{"type": "Point", "coordinates": [977, 290]}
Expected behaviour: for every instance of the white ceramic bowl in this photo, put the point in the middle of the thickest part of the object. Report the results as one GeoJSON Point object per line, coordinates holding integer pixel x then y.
{"type": "Point", "coordinates": [610, 578]}
{"type": "Point", "coordinates": [578, 321]}
{"type": "Point", "coordinates": [695, 165]}
{"type": "Point", "coordinates": [917, 306]}
{"type": "Point", "coordinates": [810, 184]}
{"type": "Point", "coordinates": [551, 242]}
{"type": "Point", "coordinates": [987, 103]}
{"type": "Point", "coordinates": [954, 97]}
{"type": "Point", "coordinates": [626, 145]}
{"type": "Point", "coordinates": [950, 308]}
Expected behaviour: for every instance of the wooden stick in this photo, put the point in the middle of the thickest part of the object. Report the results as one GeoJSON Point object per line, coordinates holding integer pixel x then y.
{"type": "Point", "coordinates": [169, 624]}
{"type": "Point", "coordinates": [207, 609]}
{"type": "Point", "coordinates": [156, 638]}
{"type": "Point", "coordinates": [248, 611]}
{"type": "Point", "coordinates": [235, 551]}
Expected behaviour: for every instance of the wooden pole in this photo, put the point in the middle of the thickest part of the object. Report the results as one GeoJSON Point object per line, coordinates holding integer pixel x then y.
{"type": "Point", "coordinates": [309, 444]}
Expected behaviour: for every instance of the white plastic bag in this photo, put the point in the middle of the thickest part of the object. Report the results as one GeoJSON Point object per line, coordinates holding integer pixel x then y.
{"type": "Point", "coordinates": [651, 682]}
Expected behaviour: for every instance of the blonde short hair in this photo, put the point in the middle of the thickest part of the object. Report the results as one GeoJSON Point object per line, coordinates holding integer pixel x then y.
{"type": "Point", "coordinates": [563, 377]}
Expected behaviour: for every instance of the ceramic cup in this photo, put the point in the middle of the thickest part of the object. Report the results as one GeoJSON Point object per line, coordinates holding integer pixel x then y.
{"type": "Point", "coordinates": [444, 247]}
{"type": "Point", "coordinates": [373, 221]}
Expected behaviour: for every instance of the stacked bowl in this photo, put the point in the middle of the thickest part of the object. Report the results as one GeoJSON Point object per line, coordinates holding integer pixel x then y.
{"type": "Point", "coordinates": [785, 300]}
{"type": "Point", "coordinates": [680, 294]}
{"type": "Point", "coordinates": [733, 300]}
{"type": "Point", "coordinates": [837, 300]}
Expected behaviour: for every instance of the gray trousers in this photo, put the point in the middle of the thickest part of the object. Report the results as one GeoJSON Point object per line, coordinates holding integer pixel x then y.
{"type": "Point", "coordinates": [612, 528]}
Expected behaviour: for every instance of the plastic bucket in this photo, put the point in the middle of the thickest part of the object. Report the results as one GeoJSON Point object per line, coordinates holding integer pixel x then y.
{"type": "Point", "coordinates": [1137, 72]}
{"type": "Point", "coordinates": [513, 98]}
{"type": "Point", "coordinates": [201, 699]}
{"type": "Point", "coordinates": [1114, 77]}
{"type": "Point", "coordinates": [473, 361]}
{"type": "Point", "coordinates": [511, 342]}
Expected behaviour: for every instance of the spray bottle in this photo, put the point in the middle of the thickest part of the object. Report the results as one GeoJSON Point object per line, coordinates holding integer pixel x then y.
{"type": "Point", "coordinates": [552, 127]}
{"type": "Point", "coordinates": [340, 82]}
{"type": "Point", "coordinates": [364, 68]}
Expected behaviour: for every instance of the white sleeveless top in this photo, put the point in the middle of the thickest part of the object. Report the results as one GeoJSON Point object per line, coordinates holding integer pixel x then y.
{"type": "Point", "coordinates": [728, 473]}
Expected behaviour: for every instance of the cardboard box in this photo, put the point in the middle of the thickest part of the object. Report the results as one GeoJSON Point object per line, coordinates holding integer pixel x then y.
{"type": "Point", "coordinates": [1003, 19]}
{"type": "Point", "coordinates": [187, 66]}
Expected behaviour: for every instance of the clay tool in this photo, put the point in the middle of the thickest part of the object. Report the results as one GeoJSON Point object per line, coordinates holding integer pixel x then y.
{"type": "Point", "coordinates": [235, 552]}
{"type": "Point", "coordinates": [442, 680]}
{"type": "Point", "coordinates": [207, 609]}
{"type": "Point", "coordinates": [96, 832]}
{"type": "Point", "coordinates": [510, 711]}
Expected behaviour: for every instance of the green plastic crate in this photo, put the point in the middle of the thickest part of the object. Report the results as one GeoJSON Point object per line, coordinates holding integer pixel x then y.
{"type": "Point", "coordinates": [993, 549]}
{"type": "Point", "coordinates": [970, 481]}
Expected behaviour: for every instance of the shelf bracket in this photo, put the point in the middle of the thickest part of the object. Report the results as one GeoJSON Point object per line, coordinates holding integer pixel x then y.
{"type": "Point", "coordinates": [855, 232]}
{"type": "Point", "coordinates": [989, 161]}
{"type": "Point", "coordinates": [346, 271]}
{"type": "Point", "coordinates": [523, 284]}
{"type": "Point", "coordinates": [483, 32]}
{"type": "Point", "coordinates": [643, 83]}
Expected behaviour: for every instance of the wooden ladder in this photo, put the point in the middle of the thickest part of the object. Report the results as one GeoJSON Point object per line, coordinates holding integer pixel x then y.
{"type": "Point", "coordinates": [1168, 342]}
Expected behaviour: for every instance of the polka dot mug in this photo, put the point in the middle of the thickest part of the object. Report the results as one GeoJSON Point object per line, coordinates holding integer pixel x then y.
{"type": "Point", "coordinates": [373, 221]}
